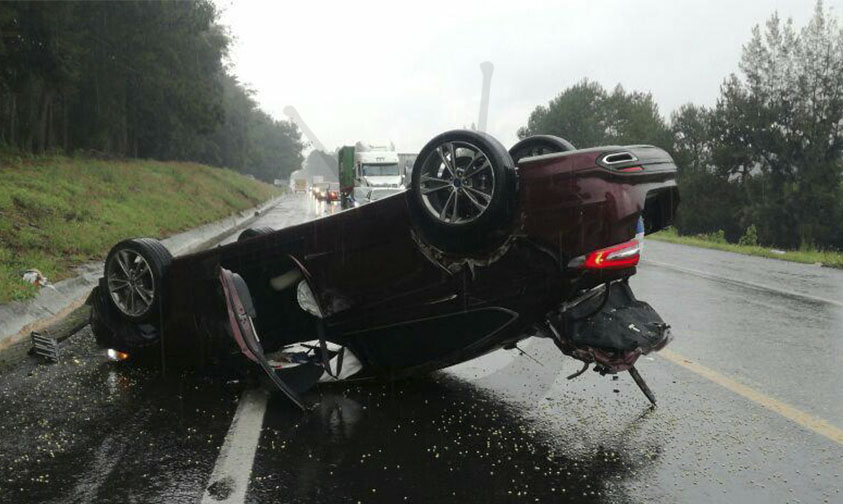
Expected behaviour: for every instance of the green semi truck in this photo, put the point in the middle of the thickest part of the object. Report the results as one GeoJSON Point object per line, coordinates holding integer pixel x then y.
{"type": "Point", "coordinates": [371, 166]}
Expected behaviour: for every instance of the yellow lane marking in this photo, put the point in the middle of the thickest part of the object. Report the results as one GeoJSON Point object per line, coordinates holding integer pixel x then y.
{"type": "Point", "coordinates": [806, 420]}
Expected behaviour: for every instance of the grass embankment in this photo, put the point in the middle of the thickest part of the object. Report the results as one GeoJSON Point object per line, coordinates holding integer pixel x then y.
{"type": "Point", "coordinates": [826, 258]}
{"type": "Point", "coordinates": [59, 212]}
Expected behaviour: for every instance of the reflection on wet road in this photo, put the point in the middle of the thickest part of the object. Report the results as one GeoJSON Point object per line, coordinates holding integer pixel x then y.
{"type": "Point", "coordinates": [777, 343]}
{"type": "Point", "coordinates": [500, 428]}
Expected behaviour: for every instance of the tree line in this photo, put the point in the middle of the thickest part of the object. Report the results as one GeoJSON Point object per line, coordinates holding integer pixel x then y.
{"type": "Point", "coordinates": [764, 164]}
{"type": "Point", "coordinates": [133, 79]}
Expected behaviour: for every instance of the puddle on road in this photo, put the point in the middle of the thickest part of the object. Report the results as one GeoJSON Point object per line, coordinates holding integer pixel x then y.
{"type": "Point", "coordinates": [88, 430]}
{"type": "Point", "coordinates": [522, 433]}
{"type": "Point", "coordinates": [434, 440]}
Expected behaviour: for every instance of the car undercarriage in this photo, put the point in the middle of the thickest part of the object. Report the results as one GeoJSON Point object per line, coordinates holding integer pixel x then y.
{"type": "Point", "coordinates": [486, 248]}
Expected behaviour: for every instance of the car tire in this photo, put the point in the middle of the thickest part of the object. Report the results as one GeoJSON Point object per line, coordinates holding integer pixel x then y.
{"type": "Point", "coordinates": [252, 232]}
{"type": "Point", "coordinates": [462, 192]}
{"type": "Point", "coordinates": [538, 145]}
{"type": "Point", "coordinates": [134, 275]}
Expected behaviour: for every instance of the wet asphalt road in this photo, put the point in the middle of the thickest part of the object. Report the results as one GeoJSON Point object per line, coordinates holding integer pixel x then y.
{"type": "Point", "coordinates": [500, 428]}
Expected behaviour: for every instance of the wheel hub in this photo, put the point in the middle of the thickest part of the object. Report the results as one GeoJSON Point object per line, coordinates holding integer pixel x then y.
{"type": "Point", "coordinates": [131, 283]}
{"type": "Point", "coordinates": [457, 182]}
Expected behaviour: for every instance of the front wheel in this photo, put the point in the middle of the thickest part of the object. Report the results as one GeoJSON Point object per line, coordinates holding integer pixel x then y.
{"type": "Point", "coordinates": [462, 191]}
{"type": "Point", "coordinates": [134, 276]}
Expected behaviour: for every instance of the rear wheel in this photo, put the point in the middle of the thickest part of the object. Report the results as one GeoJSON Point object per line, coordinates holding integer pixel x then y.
{"type": "Point", "coordinates": [462, 191]}
{"type": "Point", "coordinates": [539, 145]}
{"type": "Point", "coordinates": [252, 232]}
{"type": "Point", "coordinates": [134, 275]}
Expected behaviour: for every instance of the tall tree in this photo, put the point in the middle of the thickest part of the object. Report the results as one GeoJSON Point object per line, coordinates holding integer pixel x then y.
{"type": "Point", "coordinates": [587, 115]}
{"type": "Point", "coordinates": [690, 126]}
{"type": "Point", "coordinates": [133, 78]}
{"type": "Point", "coordinates": [576, 114]}
{"type": "Point", "coordinates": [779, 127]}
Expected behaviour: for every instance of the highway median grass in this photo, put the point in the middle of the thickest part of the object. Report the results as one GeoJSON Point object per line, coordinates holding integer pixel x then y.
{"type": "Point", "coordinates": [831, 259]}
{"type": "Point", "coordinates": [58, 212]}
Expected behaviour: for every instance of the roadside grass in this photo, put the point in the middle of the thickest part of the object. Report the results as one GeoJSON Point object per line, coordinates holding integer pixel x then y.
{"type": "Point", "coordinates": [831, 259]}
{"type": "Point", "coordinates": [58, 212]}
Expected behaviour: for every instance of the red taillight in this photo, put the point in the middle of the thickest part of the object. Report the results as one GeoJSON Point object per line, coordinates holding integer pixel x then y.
{"type": "Point", "coordinates": [624, 255]}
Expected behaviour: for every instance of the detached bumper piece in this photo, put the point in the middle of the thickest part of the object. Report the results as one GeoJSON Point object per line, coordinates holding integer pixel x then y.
{"type": "Point", "coordinates": [610, 330]}
{"type": "Point", "coordinates": [45, 346]}
{"type": "Point", "coordinates": [46, 341]}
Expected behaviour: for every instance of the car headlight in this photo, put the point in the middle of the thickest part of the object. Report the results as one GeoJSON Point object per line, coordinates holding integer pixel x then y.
{"type": "Point", "coordinates": [306, 299]}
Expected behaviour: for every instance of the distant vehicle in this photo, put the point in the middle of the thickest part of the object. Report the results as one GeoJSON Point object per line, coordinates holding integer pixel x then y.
{"type": "Point", "coordinates": [320, 190]}
{"type": "Point", "coordinates": [368, 165]}
{"type": "Point", "coordinates": [332, 193]}
{"type": "Point", "coordinates": [406, 160]}
{"type": "Point", "coordinates": [300, 185]}
{"type": "Point", "coordinates": [382, 192]}
{"type": "Point", "coordinates": [475, 256]}
{"type": "Point", "coordinates": [365, 195]}
{"type": "Point", "coordinates": [377, 165]}
{"type": "Point", "coordinates": [347, 176]}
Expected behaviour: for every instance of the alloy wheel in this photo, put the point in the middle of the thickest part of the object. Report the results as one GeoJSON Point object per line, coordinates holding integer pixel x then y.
{"type": "Point", "coordinates": [457, 182]}
{"type": "Point", "coordinates": [131, 283]}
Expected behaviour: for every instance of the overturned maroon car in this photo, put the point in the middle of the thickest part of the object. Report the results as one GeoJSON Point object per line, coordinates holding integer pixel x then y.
{"type": "Point", "coordinates": [487, 247]}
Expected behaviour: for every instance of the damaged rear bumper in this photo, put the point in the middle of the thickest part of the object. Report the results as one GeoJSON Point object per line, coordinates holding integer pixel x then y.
{"type": "Point", "coordinates": [608, 327]}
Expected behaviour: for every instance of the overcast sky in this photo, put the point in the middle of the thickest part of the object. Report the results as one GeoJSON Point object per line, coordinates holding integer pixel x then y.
{"type": "Point", "coordinates": [406, 71]}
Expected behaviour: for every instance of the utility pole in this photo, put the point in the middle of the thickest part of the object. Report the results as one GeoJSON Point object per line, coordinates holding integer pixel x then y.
{"type": "Point", "coordinates": [487, 68]}
{"type": "Point", "coordinates": [293, 114]}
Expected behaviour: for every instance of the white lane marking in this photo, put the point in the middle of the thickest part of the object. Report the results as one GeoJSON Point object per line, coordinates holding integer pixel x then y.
{"type": "Point", "coordinates": [230, 478]}
{"type": "Point", "coordinates": [743, 283]}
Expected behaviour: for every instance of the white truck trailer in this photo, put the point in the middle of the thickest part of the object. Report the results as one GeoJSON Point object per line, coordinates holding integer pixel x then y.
{"type": "Point", "coordinates": [377, 165]}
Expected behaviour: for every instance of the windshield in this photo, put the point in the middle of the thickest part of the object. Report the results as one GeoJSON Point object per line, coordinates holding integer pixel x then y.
{"type": "Point", "coordinates": [380, 170]}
